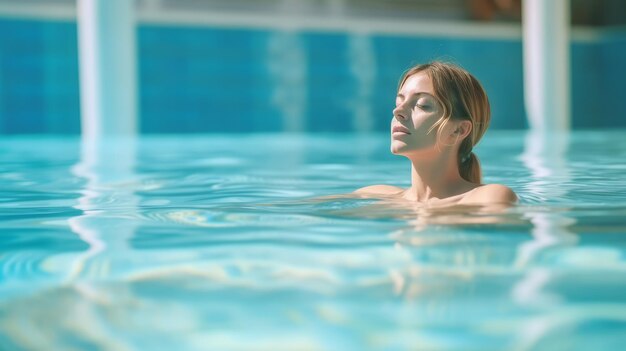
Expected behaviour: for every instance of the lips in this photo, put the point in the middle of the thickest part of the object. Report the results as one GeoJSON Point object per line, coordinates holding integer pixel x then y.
{"type": "Point", "coordinates": [400, 129]}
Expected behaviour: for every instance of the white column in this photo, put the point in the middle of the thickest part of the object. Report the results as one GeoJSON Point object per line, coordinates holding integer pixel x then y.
{"type": "Point", "coordinates": [547, 64]}
{"type": "Point", "coordinates": [107, 58]}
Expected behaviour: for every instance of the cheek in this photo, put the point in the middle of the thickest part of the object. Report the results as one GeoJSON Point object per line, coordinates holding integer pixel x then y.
{"type": "Point", "coordinates": [424, 121]}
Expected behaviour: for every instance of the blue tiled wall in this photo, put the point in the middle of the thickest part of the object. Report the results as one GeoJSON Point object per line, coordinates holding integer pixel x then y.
{"type": "Point", "coordinates": [330, 84]}
{"type": "Point", "coordinates": [201, 79]}
{"type": "Point", "coordinates": [23, 76]}
{"type": "Point", "coordinates": [38, 77]}
{"type": "Point", "coordinates": [611, 94]}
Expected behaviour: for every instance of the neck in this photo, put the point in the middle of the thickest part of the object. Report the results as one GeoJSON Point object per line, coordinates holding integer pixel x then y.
{"type": "Point", "coordinates": [435, 179]}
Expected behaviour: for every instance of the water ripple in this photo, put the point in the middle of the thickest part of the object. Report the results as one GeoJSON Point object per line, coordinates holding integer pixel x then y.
{"type": "Point", "coordinates": [222, 232]}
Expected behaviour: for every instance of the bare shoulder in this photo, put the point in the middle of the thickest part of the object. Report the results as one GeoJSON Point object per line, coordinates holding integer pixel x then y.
{"type": "Point", "coordinates": [379, 190]}
{"type": "Point", "coordinates": [491, 194]}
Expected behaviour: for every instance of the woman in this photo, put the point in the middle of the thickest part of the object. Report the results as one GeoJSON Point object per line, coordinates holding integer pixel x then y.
{"type": "Point", "coordinates": [441, 113]}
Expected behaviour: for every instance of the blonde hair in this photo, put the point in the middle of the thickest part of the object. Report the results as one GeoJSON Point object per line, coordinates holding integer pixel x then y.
{"type": "Point", "coordinates": [463, 98]}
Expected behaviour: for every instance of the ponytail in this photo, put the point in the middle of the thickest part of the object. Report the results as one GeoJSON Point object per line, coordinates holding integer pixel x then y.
{"type": "Point", "coordinates": [469, 168]}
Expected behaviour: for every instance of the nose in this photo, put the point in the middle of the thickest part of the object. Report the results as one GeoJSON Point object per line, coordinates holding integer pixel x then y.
{"type": "Point", "coordinates": [399, 113]}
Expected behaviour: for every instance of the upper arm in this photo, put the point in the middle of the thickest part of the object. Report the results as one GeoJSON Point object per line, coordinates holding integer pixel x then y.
{"type": "Point", "coordinates": [493, 194]}
{"type": "Point", "coordinates": [378, 190]}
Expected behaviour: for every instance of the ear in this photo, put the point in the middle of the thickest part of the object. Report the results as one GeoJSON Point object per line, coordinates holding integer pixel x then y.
{"type": "Point", "coordinates": [463, 129]}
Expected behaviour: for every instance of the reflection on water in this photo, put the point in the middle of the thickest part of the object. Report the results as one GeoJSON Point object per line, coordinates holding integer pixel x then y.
{"type": "Point", "coordinates": [228, 243]}
{"type": "Point", "coordinates": [545, 157]}
{"type": "Point", "coordinates": [108, 170]}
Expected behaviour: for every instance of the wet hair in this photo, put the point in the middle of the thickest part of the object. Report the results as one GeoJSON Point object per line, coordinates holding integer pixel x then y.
{"type": "Point", "coordinates": [462, 97]}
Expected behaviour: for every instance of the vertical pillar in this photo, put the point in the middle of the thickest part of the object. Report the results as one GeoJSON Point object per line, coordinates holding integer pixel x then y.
{"type": "Point", "coordinates": [107, 59]}
{"type": "Point", "coordinates": [547, 64]}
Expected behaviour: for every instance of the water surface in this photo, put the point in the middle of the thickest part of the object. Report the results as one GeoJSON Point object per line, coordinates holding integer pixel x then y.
{"type": "Point", "coordinates": [222, 242]}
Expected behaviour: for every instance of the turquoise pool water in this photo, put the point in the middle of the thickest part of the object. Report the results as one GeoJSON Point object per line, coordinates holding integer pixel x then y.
{"type": "Point", "coordinates": [221, 242]}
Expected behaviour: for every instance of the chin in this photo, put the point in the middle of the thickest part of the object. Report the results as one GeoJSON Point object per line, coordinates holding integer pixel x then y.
{"type": "Point", "coordinates": [397, 148]}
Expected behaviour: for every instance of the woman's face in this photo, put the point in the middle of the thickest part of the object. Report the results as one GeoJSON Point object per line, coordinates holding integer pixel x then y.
{"type": "Point", "coordinates": [416, 111]}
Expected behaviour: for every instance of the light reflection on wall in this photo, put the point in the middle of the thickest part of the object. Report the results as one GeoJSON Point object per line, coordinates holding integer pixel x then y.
{"type": "Point", "coordinates": [363, 64]}
{"type": "Point", "coordinates": [287, 63]}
